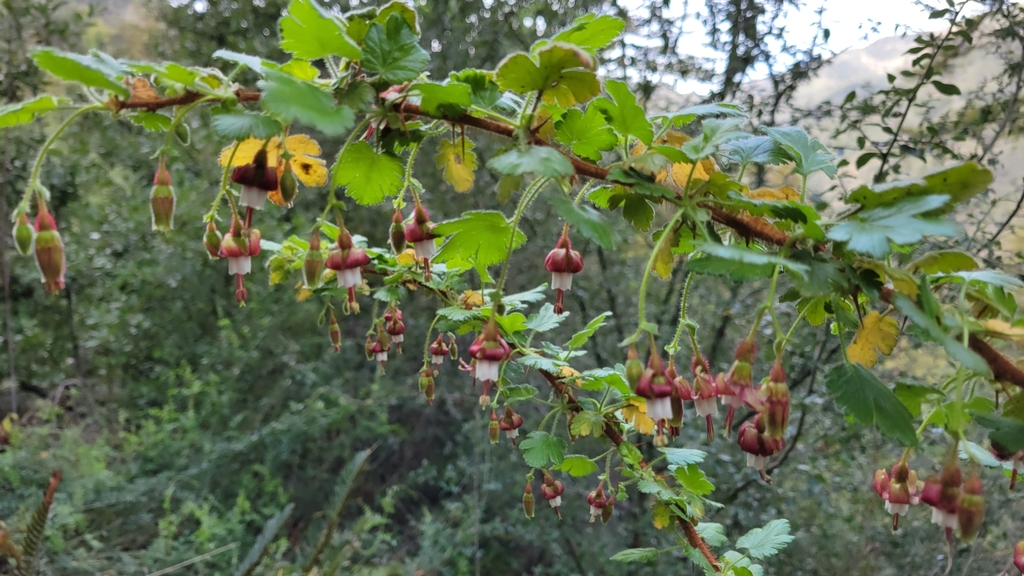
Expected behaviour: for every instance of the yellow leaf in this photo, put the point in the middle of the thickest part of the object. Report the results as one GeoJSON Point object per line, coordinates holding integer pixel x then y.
{"type": "Point", "coordinates": [567, 372]}
{"type": "Point", "coordinates": [665, 259]}
{"type": "Point", "coordinates": [471, 299]}
{"type": "Point", "coordinates": [303, 294]}
{"type": "Point", "coordinates": [877, 334]}
{"type": "Point", "coordinates": [308, 167]}
{"type": "Point", "coordinates": [458, 161]}
{"type": "Point", "coordinates": [662, 516]}
{"type": "Point", "coordinates": [407, 258]}
{"type": "Point", "coordinates": [1002, 328]}
{"type": "Point", "coordinates": [782, 193]}
{"type": "Point", "coordinates": [681, 172]}
{"type": "Point", "coordinates": [636, 414]}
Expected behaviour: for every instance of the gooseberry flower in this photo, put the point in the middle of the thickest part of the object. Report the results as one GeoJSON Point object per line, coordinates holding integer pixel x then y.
{"type": "Point", "coordinates": [510, 424]}
{"type": "Point", "coordinates": [900, 491]}
{"type": "Point", "coordinates": [313, 264]}
{"type": "Point", "coordinates": [23, 235]}
{"type": "Point", "coordinates": [397, 232]}
{"type": "Point", "coordinates": [419, 233]}
{"type": "Point", "coordinates": [489, 350]}
{"type": "Point", "coordinates": [552, 491]}
{"type": "Point", "coordinates": [380, 348]}
{"type": "Point", "coordinates": [211, 240]}
{"type": "Point", "coordinates": [737, 385]}
{"type": "Point", "coordinates": [49, 251]}
{"type": "Point", "coordinates": [438, 350]}
{"type": "Point", "coordinates": [597, 503]}
{"type": "Point", "coordinates": [528, 502]}
{"type": "Point", "coordinates": [394, 326]}
{"type": "Point", "coordinates": [161, 200]}
{"type": "Point", "coordinates": [427, 384]}
{"type": "Point", "coordinates": [655, 387]}
{"type": "Point", "coordinates": [348, 260]}
{"type": "Point", "coordinates": [970, 510]}
{"type": "Point", "coordinates": [334, 330]}
{"type": "Point", "coordinates": [757, 445]}
{"type": "Point", "coordinates": [1018, 556]}
{"type": "Point", "coordinates": [1016, 460]}
{"type": "Point", "coordinates": [681, 392]}
{"type": "Point", "coordinates": [257, 181]}
{"type": "Point", "coordinates": [704, 392]}
{"type": "Point", "coordinates": [562, 262]}
{"type": "Point", "coordinates": [942, 493]}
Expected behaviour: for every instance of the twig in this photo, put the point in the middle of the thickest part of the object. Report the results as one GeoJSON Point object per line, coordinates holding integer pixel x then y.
{"type": "Point", "coordinates": [1016, 209]}
{"type": "Point", "coordinates": [192, 561]}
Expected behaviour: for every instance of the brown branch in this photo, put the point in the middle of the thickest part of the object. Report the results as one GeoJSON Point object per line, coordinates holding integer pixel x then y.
{"type": "Point", "coordinates": [611, 430]}
{"type": "Point", "coordinates": [758, 229]}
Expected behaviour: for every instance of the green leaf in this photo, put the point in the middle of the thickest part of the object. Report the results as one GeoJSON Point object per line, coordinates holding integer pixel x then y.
{"type": "Point", "coordinates": [715, 266]}
{"type": "Point", "coordinates": [943, 261]}
{"type": "Point", "coordinates": [451, 99]}
{"type": "Point", "coordinates": [293, 99]}
{"type": "Point", "coordinates": [586, 133]}
{"type": "Point", "coordinates": [540, 448]}
{"type": "Point", "coordinates": [458, 314]}
{"type": "Point", "coordinates": [369, 176]}
{"type": "Point", "coordinates": [588, 423]}
{"type": "Point", "coordinates": [95, 70]}
{"type": "Point", "coordinates": [588, 222]}
{"type": "Point", "coordinates": [712, 533]}
{"type": "Point", "coordinates": [481, 237]}
{"type": "Point", "coordinates": [990, 277]}
{"type": "Point", "coordinates": [591, 32]}
{"type": "Point", "coordinates": [152, 121]}
{"type": "Point", "coordinates": [692, 479]}
{"type": "Point", "coordinates": [715, 133]}
{"type": "Point", "coordinates": [747, 256]}
{"type": "Point", "coordinates": [542, 363]}
{"type": "Point", "coordinates": [683, 456]}
{"type": "Point", "coordinates": [631, 555]}
{"type": "Point", "coordinates": [638, 212]}
{"type": "Point", "coordinates": [516, 392]}
{"type": "Point", "coordinates": [754, 150]}
{"type": "Point", "coordinates": [642, 183]}
{"type": "Point", "coordinates": [310, 32]}
{"type": "Point", "coordinates": [393, 51]}
{"type": "Point", "coordinates": [913, 395]}
{"type": "Point", "coordinates": [563, 74]}
{"type": "Point", "coordinates": [1006, 431]}
{"type": "Point", "coordinates": [540, 160]}
{"type": "Point", "coordinates": [870, 402]}
{"type": "Point", "coordinates": [241, 125]}
{"type": "Point", "coordinates": [29, 110]}
{"type": "Point", "coordinates": [872, 231]}
{"type": "Point", "coordinates": [954, 347]}
{"type": "Point", "coordinates": [545, 319]}
{"type": "Point", "coordinates": [691, 113]}
{"type": "Point", "coordinates": [946, 89]}
{"type": "Point", "coordinates": [959, 182]}
{"type": "Point", "coordinates": [253, 62]}
{"type": "Point", "coordinates": [623, 113]}
{"type": "Point", "coordinates": [768, 541]}
{"type": "Point", "coordinates": [630, 453]}
{"type": "Point", "coordinates": [577, 466]}
{"type": "Point", "coordinates": [654, 488]}
{"type": "Point", "coordinates": [808, 154]}
{"type": "Point", "coordinates": [600, 379]}
{"type": "Point", "coordinates": [484, 90]}
{"type": "Point", "coordinates": [970, 450]}
{"type": "Point", "coordinates": [580, 338]}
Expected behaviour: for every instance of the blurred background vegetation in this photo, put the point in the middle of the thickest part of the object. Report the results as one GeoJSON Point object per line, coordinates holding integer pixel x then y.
{"type": "Point", "coordinates": [182, 423]}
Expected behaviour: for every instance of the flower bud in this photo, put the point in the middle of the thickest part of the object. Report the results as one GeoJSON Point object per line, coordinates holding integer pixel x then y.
{"type": "Point", "coordinates": [397, 232]}
{"type": "Point", "coordinates": [634, 368]}
{"type": "Point", "coordinates": [971, 508]}
{"type": "Point", "coordinates": [23, 235]}
{"type": "Point", "coordinates": [313, 264]}
{"type": "Point", "coordinates": [528, 501]}
{"type": "Point", "coordinates": [49, 251]}
{"type": "Point", "coordinates": [162, 200]}
{"type": "Point", "coordinates": [776, 396]}
{"type": "Point", "coordinates": [1018, 556]}
{"type": "Point", "coordinates": [288, 185]}
{"type": "Point", "coordinates": [211, 240]}
{"type": "Point", "coordinates": [493, 428]}
{"type": "Point", "coordinates": [427, 384]}
{"type": "Point", "coordinates": [335, 331]}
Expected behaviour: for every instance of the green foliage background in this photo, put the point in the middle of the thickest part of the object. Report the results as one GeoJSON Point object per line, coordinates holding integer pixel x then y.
{"type": "Point", "coordinates": [183, 423]}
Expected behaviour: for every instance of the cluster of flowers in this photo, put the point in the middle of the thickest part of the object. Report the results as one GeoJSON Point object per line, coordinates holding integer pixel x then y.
{"type": "Point", "coordinates": [665, 392]}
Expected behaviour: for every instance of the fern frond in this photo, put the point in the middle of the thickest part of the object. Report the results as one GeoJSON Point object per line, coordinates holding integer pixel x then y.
{"type": "Point", "coordinates": [37, 529]}
{"type": "Point", "coordinates": [259, 549]}
{"type": "Point", "coordinates": [348, 477]}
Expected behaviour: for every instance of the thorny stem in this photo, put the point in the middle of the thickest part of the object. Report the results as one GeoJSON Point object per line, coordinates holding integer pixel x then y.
{"type": "Point", "coordinates": [224, 188]}
{"type": "Point", "coordinates": [803, 187]}
{"type": "Point", "coordinates": [673, 348]}
{"type": "Point", "coordinates": [408, 174]}
{"type": "Point", "coordinates": [583, 192]}
{"type": "Point", "coordinates": [769, 303]}
{"type": "Point", "coordinates": [528, 196]}
{"type": "Point", "coordinates": [667, 231]}
{"type": "Point", "coordinates": [33, 181]}
{"type": "Point", "coordinates": [426, 345]}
